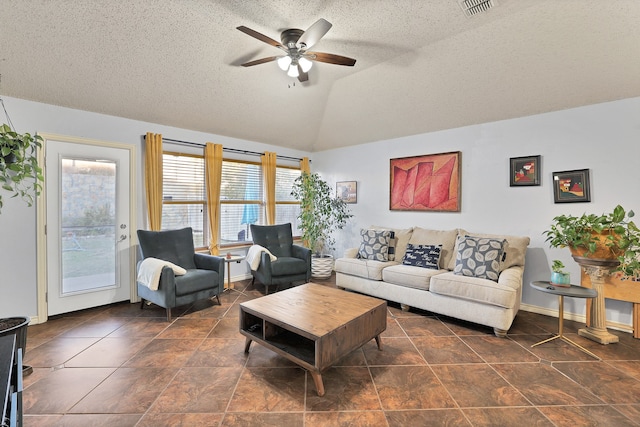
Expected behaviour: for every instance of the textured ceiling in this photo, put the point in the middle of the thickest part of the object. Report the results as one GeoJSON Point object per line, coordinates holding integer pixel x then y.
{"type": "Point", "coordinates": [422, 65]}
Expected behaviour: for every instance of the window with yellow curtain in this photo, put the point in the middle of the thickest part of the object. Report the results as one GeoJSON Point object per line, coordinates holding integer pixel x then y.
{"type": "Point", "coordinates": [183, 195]}
{"type": "Point", "coordinates": [241, 198]}
{"type": "Point", "coordinates": [287, 208]}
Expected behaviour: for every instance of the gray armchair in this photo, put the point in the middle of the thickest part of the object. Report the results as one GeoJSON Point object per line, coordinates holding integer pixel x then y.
{"type": "Point", "coordinates": [204, 277]}
{"type": "Point", "coordinates": [293, 263]}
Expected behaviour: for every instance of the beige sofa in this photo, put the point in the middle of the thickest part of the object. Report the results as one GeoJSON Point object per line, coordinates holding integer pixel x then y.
{"type": "Point", "coordinates": [447, 290]}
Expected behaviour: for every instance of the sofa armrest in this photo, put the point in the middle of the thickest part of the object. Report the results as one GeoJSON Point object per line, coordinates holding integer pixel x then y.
{"type": "Point", "coordinates": [209, 262]}
{"type": "Point", "coordinates": [351, 253]}
{"type": "Point", "coordinates": [511, 277]}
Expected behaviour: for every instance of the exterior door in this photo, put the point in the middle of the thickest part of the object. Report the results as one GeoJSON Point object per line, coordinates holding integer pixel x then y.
{"type": "Point", "coordinates": [88, 233]}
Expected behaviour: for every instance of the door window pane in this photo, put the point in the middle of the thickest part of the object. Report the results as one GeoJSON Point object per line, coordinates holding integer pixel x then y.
{"type": "Point", "coordinates": [88, 229]}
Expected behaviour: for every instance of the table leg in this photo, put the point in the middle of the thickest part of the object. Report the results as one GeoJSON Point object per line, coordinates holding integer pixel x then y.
{"type": "Point", "coordinates": [317, 380]}
{"type": "Point", "coordinates": [379, 342]}
{"type": "Point", "coordinates": [561, 330]}
{"type": "Point", "coordinates": [229, 276]}
{"type": "Point", "coordinates": [247, 344]}
{"type": "Point", "coordinates": [560, 322]}
{"type": "Point", "coordinates": [636, 320]}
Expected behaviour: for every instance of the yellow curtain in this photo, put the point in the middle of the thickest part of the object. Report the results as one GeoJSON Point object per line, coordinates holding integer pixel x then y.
{"type": "Point", "coordinates": [153, 179]}
{"type": "Point", "coordinates": [213, 177]}
{"type": "Point", "coordinates": [304, 165]}
{"type": "Point", "coordinates": [269, 177]}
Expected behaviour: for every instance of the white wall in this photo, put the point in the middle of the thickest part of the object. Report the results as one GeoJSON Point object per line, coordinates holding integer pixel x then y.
{"type": "Point", "coordinates": [604, 138]}
{"type": "Point", "coordinates": [18, 287]}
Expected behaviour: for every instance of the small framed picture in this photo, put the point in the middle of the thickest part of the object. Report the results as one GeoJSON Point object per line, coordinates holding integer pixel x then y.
{"type": "Point", "coordinates": [525, 171]}
{"type": "Point", "coordinates": [571, 186]}
{"type": "Point", "coordinates": [347, 191]}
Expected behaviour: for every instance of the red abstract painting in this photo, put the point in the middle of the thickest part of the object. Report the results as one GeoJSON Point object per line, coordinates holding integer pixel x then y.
{"type": "Point", "coordinates": [426, 183]}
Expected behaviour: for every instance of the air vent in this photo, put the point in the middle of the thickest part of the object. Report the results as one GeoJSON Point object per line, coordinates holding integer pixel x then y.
{"type": "Point", "coordinates": [473, 7]}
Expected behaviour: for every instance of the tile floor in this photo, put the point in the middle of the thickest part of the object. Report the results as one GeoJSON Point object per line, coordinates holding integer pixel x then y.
{"type": "Point", "coordinates": [122, 366]}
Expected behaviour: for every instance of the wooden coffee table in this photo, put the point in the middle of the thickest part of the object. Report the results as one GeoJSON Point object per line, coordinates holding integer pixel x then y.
{"type": "Point", "coordinates": [312, 325]}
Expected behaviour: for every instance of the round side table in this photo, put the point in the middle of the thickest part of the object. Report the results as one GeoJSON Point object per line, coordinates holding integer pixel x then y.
{"type": "Point", "coordinates": [570, 291]}
{"type": "Point", "coordinates": [228, 261]}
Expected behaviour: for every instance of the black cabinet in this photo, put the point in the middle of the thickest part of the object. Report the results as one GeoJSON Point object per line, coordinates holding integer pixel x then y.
{"type": "Point", "coordinates": [10, 382]}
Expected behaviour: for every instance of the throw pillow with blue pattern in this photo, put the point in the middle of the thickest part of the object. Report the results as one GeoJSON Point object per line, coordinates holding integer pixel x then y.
{"type": "Point", "coordinates": [425, 256]}
{"type": "Point", "coordinates": [479, 257]}
{"type": "Point", "coordinates": [374, 245]}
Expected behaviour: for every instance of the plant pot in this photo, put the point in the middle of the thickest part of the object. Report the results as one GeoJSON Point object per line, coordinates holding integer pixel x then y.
{"type": "Point", "coordinates": [321, 267]}
{"type": "Point", "coordinates": [17, 326]}
{"type": "Point", "coordinates": [9, 159]}
{"type": "Point", "coordinates": [561, 279]}
{"type": "Point", "coordinates": [602, 250]}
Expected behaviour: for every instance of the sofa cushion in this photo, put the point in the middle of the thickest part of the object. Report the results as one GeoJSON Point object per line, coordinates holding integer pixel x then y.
{"type": "Point", "coordinates": [474, 289]}
{"type": "Point", "coordinates": [409, 276]}
{"type": "Point", "coordinates": [422, 236]}
{"type": "Point", "coordinates": [479, 257]}
{"type": "Point", "coordinates": [365, 268]}
{"type": "Point", "coordinates": [401, 235]}
{"type": "Point", "coordinates": [425, 256]}
{"type": "Point", "coordinates": [515, 252]}
{"type": "Point", "coordinates": [374, 244]}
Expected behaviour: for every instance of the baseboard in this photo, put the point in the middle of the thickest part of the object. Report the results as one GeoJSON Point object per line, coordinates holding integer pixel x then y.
{"type": "Point", "coordinates": [241, 277]}
{"type": "Point", "coordinates": [573, 316]}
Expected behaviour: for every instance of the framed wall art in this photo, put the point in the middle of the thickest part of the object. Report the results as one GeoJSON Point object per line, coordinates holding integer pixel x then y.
{"type": "Point", "coordinates": [524, 171]}
{"type": "Point", "coordinates": [425, 183]}
{"type": "Point", "coordinates": [571, 186]}
{"type": "Point", "coordinates": [347, 191]}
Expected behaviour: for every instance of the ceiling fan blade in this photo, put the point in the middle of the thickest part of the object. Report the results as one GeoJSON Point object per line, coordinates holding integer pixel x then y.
{"type": "Point", "coordinates": [314, 33]}
{"type": "Point", "coordinates": [260, 61]}
{"type": "Point", "coordinates": [261, 37]}
{"type": "Point", "coordinates": [302, 76]}
{"type": "Point", "coordinates": [330, 58]}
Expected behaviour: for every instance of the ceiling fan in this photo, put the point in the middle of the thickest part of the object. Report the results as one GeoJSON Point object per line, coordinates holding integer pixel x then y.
{"type": "Point", "coordinates": [297, 60]}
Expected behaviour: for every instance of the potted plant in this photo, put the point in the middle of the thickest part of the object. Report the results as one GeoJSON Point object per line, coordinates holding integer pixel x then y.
{"type": "Point", "coordinates": [610, 236]}
{"type": "Point", "coordinates": [321, 213]}
{"type": "Point", "coordinates": [559, 277]}
{"type": "Point", "coordinates": [19, 170]}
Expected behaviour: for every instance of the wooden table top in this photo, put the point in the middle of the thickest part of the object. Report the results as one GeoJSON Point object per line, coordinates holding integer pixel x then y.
{"type": "Point", "coordinates": [312, 308]}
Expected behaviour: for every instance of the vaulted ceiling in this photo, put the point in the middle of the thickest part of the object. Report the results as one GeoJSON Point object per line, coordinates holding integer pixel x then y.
{"type": "Point", "coordinates": [422, 65]}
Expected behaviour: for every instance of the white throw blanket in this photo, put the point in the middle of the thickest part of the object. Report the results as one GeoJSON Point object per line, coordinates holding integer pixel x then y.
{"type": "Point", "coordinates": [150, 270]}
{"type": "Point", "coordinates": [255, 253]}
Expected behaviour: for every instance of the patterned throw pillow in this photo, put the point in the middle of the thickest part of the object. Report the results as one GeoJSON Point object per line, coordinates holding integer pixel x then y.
{"type": "Point", "coordinates": [375, 245]}
{"type": "Point", "coordinates": [425, 256]}
{"type": "Point", "coordinates": [479, 257]}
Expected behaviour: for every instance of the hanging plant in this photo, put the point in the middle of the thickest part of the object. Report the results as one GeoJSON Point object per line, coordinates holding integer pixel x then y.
{"type": "Point", "coordinates": [20, 173]}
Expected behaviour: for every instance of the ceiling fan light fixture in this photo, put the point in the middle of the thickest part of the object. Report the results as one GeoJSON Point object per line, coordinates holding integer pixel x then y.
{"type": "Point", "coordinates": [293, 70]}
{"type": "Point", "coordinates": [305, 64]}
{"type": "Point", "coordinates": [284, 62]}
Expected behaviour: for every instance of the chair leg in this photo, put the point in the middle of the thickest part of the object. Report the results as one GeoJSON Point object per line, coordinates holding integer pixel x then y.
{"type": "Point", "coordinates": [218, 298]}
{"type": "Point", "coordinates": [253, 280]}
{"type": "Point", "coordinates": [141, 303]}
{"type": "Point", "coordinates": [168, 315]}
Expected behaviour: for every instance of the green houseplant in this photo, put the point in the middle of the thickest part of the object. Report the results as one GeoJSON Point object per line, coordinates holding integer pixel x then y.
{"type": "Point", "coordinates": [558, 275]}
{"type": "Point", "coordinates": [321, 214]}
{"type": "Point", "coordinates": [610, 235]}
{"type": "Point", "coordinates": [20, 173]}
